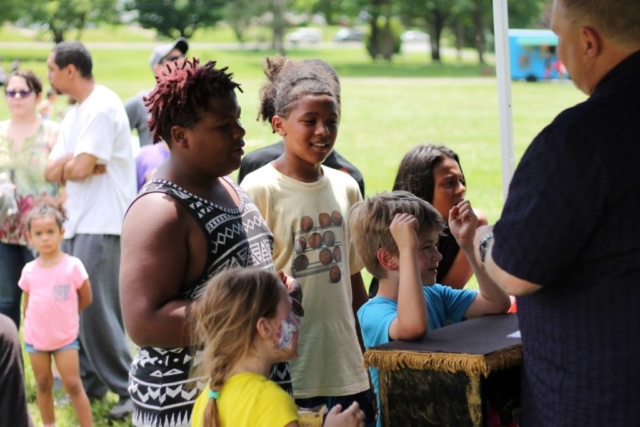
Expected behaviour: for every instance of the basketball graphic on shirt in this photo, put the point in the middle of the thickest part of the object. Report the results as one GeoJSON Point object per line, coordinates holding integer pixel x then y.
{"type": "Point", "coordinates": [300, 245]}
{"type": "Point", "coordinates": [315, 240]}
{"type": "Point", "coordinates": [317, 245]}
{"type": "Point", "coordinates": [301, 263]}
{"type": "Point", "coordinates": [329, 238]}
{"type": "Point", "coordinates": [324, 219]}
{"type": "Point", "coordinates": [326, 256]}
{"type": "Point", "coordinates": [336, 218]}
{"type": "Point", "coordinates": [335, 274]}
{"type": "Point", "coordinates": [337, 254]}
{"type": "Point", "coordinates": [306, 223]}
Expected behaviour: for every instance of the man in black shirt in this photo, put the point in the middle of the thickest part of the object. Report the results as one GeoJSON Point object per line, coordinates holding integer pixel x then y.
{"type": "Point", "coordinates": [568, 241]}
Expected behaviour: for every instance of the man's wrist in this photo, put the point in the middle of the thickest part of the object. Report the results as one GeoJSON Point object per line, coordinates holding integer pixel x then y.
{"type": "Point", "coordinates": [484, 245]}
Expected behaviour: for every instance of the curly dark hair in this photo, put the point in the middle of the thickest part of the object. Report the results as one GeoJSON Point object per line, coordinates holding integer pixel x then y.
{"type": "Point", "coordinates": [289, 80]}
{"type": "Point", "coordinates": [47, 206]}
{"type": "Point", "coordinates": [183, 94]}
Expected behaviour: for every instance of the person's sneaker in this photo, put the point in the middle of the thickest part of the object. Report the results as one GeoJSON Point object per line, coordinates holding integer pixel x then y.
{"type": "Point", "coordinates": [121, 410]}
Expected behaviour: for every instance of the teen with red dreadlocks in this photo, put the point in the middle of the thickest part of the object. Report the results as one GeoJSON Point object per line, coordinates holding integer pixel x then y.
{"type": "Point", "coordinates": [186, 225]}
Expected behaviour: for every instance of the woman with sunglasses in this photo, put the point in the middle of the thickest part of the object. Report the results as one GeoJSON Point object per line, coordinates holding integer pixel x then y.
{"type": "Point", "coordinates": [25, 141]}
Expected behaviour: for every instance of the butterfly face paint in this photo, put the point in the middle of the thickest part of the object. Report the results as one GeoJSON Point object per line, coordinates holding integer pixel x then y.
{"type": "Point", "coordinates": [288, 329]}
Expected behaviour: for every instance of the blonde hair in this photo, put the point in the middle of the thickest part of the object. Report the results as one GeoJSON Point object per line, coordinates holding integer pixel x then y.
{"type": "Point", "coordinates": [225, 319]}
{"type": "Point", "coordinates": [370, 220]}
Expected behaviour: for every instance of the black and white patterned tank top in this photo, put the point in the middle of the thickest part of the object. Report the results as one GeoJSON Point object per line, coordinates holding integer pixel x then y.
{"type": "Point", "coordinates": [160, 386]}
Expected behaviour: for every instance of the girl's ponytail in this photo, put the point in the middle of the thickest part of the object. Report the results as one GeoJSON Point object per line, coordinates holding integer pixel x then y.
{"type": "Point", "coordinates": [211, 411]}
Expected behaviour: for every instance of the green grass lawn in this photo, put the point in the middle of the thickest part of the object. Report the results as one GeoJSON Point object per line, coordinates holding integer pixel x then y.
{"type": "Point", "coordinates": [387, 109]}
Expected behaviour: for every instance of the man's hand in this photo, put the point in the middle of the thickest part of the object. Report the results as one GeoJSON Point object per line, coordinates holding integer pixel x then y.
{"type": "Point", "coordinates": [404, 229]}
{"type": "Point", "coordinates": [462, 223]}
{"type": "Point", "coordinates": [295, 292]}
{"type": "Point", "coordinates": [99, 169]}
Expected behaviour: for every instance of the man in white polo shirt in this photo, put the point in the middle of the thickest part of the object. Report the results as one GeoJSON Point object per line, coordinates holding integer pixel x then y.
{"type": "Point", "coordinates": [93, 158]}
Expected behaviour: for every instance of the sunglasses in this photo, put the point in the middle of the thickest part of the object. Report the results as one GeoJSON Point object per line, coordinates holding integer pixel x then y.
{"type": "Point", "coordinates": [172, 58]}
{"type": "Point", "coordinates": [14, 93]}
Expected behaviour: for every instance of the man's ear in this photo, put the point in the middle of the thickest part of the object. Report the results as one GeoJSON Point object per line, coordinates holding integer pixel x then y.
{"type": "Point", "coordinates": [591, 42]}
{"type": "Point", "coordinates": [179, 136]}
{"type": "Point", "coordinates": [72, 71]}
{"type": "Point", "coordinates": [386, 260]}
{"type": "Point", "coordinates": [278, 125]}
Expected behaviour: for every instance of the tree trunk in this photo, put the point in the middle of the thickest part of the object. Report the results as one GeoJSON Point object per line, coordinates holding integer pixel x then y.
{"type": "Point", "coordinates": [58, 35]}
{"type": "Point", "coordinates": [326, 8]}
{"type": "Point", "coordinates": [81, 24]}
{"type": "Point", "coordinates": [478, 26]}
{"type": "Point", "coordinates": [436, 34]}
{"type": "Point", "coordinates": [374, 42]}
{"type": "Point", "coordinates": [387, 40]}
{"type": "Point", "coordinates": [239, 26]}
{"type": "Point", "coordinates": [278, 25]}
{"type": "Point", "coordinates": [459, 39]}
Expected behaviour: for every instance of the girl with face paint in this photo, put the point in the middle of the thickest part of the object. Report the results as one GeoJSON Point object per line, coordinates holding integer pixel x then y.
{"type": "Point", "coordinates": [246, 323]}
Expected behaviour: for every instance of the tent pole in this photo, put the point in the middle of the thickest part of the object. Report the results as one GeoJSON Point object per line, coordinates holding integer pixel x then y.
{"type": "Point", "coordinates": [503, 74]}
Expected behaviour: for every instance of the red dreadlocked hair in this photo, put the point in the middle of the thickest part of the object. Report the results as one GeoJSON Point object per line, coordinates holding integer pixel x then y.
{"type": "Point", "coordinates": [183, 94]}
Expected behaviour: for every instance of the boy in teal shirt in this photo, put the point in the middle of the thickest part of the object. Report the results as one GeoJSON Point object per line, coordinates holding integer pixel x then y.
{"type": "Point", "coordinates": [396, 236]}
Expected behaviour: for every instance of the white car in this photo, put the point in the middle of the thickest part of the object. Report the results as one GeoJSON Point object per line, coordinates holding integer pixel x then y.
{"type": "Point", "coordinates": [413, 36]}
{"type": "Point", "coordinates": [304, 35]}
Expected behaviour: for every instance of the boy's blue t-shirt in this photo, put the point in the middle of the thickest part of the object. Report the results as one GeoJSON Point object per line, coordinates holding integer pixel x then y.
{"type": "Point", "coordinates": [444, 305]}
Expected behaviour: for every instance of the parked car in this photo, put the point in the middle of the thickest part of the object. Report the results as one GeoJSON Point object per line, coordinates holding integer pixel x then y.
{"type": "Point", "coordinates": [349, 34]}
{"type": "Point", "coordinates": [304, 35]}
{"type": "Point", "coordinates": [412, 36]}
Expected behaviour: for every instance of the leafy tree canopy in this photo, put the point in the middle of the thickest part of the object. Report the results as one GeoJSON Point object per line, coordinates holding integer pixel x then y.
{"type": "Point", "coordinates": [177, 18]}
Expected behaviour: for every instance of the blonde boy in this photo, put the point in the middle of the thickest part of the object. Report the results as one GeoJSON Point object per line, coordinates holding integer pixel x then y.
{"type": "Point", "coordinates": [395, 235]}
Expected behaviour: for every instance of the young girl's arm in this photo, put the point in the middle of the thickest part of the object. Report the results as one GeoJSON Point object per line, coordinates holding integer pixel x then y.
{"type": "Point", "coordinates": [490, 299]}
{"type": "Point", "coordinates": [84, 295]}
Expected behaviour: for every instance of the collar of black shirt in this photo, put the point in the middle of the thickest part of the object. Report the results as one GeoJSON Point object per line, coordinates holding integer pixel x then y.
{"type": "Point", "coordinates": [628, 67]}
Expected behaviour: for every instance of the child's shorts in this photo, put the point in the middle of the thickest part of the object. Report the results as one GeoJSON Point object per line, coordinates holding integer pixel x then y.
{"type": "Point", "coordinates": [75, 345]}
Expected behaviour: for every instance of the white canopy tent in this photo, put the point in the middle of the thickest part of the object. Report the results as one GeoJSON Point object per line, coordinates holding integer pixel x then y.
{"type": "Point", "coordinates": [503, 75]}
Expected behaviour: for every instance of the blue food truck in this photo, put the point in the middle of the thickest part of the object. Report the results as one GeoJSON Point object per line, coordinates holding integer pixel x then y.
{"type": "Point", "coordinates": [533, 55]}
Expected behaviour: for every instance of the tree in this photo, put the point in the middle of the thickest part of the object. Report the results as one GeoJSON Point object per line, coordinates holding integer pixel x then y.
{"type": "Point", "coordinates": [434, 15]}
{"type": "Point", "coordinates": [473, 19]}
{"type": "Point", "coordinates": [238, 14]}
{"type": "Point", "coordinates": [11, 11]}
{"type": "Point", "coordinates": [176, 18]}
{"type": "Point", "coordinates": [62, 16]}
{"type": "Point", "coordinates": [526, 13]}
